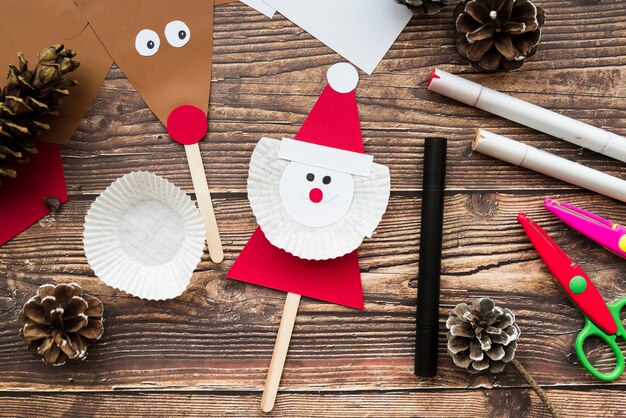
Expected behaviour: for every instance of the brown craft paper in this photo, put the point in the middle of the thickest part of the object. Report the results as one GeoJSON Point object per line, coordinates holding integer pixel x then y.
{"type": "Point", "coordinates": [29, 27]}
{"type": "Point", "coordinates": [173, 76]}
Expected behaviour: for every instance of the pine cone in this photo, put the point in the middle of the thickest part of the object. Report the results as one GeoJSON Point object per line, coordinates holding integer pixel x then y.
{"type": "Point", "coordinates": [498, 35]}
{"type": "Point", "coordinates": [482, 336]}
{"type": "Point", "coordinates": [60, 322]}
{"type": "Point", "coordinates": [29, 96]}
{"type": "Point", "coordinates": [424, 7]}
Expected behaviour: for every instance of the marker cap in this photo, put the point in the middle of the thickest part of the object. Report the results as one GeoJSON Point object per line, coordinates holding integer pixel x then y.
{"type": "Point", "coordinates": [616, 147]}
{"type": "Point", "coordinates": [455, 87]}
{"type": "Point", "coordinates": [500, 147]}
{"type": "Point", "coordinates": [435, 150]}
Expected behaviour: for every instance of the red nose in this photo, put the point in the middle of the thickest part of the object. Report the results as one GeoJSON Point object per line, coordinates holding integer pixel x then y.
{"type": "Point", "coordinates": [187, 124]}
{"type": "Point", "coordinates": [316, 195]}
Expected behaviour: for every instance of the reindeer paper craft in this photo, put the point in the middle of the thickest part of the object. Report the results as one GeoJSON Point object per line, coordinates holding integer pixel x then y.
{"type": "Point", "coordinates": [165, 49]}
{"type": "Point", "coordinates": [148, 40]}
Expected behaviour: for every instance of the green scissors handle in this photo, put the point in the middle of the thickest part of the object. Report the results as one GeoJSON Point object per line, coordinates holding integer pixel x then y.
{"type": "Point", "coordinates": [591, 330]}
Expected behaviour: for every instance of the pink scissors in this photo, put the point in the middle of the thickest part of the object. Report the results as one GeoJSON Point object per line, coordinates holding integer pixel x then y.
{"type": "Point", "coordinates": [611, 236]}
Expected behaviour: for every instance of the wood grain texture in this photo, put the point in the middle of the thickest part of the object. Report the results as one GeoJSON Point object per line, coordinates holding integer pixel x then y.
{"type": "Point", "coordinates": [497, 403]}
{"type": "Point", "coordinates": [207, 352]}
{"type": "Point", "coordinates": [220, 333]}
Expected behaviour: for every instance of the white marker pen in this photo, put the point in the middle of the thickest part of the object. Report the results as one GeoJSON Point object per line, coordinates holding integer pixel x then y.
{"type": "Point", "coordinates": [523, 155]}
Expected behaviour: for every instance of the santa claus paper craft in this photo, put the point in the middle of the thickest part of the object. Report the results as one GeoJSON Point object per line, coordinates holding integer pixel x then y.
{"type": "Point", "coordinates": [315, 198]}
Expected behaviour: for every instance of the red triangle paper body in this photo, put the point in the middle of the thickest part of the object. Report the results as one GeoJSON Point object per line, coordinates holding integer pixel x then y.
{"type": "Point", "coordinates": [334, 122]}
{"type": "Point", "coordinates": [22, 199]}
{"type": "Point", "coordinates": [336, 281]}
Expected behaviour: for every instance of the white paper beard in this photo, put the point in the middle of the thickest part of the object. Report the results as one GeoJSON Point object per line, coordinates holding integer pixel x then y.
{"type": "Point", "coordinates": [314, 196]}
{"type": "Point", "coordinates": [328, 240]}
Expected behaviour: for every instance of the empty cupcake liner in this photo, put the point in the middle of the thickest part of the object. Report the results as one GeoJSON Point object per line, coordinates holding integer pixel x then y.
{"type": "Point", "coordinates": [145, 236]}
{"type": "Point", "coordinates": [371, 196]}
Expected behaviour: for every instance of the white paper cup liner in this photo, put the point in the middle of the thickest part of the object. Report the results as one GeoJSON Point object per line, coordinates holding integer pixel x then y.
{"type": "Point", "coordinates": [371, 196]}
{"type": "Point", "coordinates": [145, 236]}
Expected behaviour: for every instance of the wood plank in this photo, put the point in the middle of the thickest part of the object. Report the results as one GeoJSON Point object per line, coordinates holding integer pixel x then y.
{"type": "Point", "coordinates": [220, 333]}
{"type": "Point", "coordinates": [269, 73]}
{"type": "Point", "coordinates": [493, 403]}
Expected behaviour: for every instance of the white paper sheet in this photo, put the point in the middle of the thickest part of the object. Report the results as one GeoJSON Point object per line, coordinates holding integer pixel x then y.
{"type": "Point", "coordinates": [362, 31]}
{"type": "Point", "coordinates": [261, 7]}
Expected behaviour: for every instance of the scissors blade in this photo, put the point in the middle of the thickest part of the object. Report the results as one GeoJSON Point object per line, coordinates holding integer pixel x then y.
{"type": "Point", "coordinates": [611, 236]}
{"type": "Point", "coordinates": [570, 276]}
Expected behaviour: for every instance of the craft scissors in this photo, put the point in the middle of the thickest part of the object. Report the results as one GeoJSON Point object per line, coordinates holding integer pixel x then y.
{"type": "Point", "coordinates": [602, 320]}
{"type": "Point", "coordinates": [606, 233]}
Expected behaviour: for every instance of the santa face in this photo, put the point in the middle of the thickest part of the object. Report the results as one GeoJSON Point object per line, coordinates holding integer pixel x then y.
{"type": "Point", "coordinates": [314, 213]}
{"type": "Point", "coordinates": [315, 197]}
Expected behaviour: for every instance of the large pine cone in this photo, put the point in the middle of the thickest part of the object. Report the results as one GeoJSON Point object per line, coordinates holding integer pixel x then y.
{"type": "Point", "coordinates": [29, 96]}
{"type": "Point", "coordinates": [60, 322]}
{"type": "Point", "coordinates": [498, 35]}
{"type": "Point", "coordinates": [424, 7]}
{"type": "Point", "coordinates": [482, 336]}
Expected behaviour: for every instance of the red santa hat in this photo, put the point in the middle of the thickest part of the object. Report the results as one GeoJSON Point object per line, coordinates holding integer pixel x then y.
{"type": "Point", "coordinates": [331, 135]}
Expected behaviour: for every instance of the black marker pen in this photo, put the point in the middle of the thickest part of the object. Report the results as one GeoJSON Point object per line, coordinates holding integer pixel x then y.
{"type": "Point", "coordinates": [427, 335]}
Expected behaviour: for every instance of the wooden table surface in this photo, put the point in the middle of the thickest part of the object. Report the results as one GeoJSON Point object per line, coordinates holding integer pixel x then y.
{"type": "Point", "coordinates": [207, 351]}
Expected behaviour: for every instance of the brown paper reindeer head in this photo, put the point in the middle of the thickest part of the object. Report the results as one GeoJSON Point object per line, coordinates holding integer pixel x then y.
{"type": "Point", "coordinates": [164, 47]}
{"type": "Point", "coordinates": [173, 72]}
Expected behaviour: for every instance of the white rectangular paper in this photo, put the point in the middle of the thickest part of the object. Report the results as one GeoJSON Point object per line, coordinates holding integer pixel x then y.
{"type": "Point", "coordinates": [261, 7]}
{"type": "Point", "coordinates": [362, 31]}
{"type": "Point", "coordinates": [326, 157]}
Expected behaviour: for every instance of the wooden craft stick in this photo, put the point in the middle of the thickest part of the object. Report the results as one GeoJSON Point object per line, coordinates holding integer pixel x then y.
{"type": "Point", "coordinates": [280, 352]}
{"type": "Point", "coordinates": [203, 196]}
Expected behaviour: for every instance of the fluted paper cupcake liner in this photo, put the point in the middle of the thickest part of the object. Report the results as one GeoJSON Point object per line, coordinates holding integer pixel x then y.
{"type": "Point", "coordinates": [145, 236]}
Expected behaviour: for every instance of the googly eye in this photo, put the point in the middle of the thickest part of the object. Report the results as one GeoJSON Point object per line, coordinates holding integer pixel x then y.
{"type": "Point", "coordinates": [177, 33]}
{"type": "Point", "coordinates": [147, 42]}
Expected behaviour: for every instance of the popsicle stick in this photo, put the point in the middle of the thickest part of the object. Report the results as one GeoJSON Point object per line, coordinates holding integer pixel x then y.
{"type": "Point", "coordinates": [203, 196]}
{"type": "Point", "coordinates": [280, 352]}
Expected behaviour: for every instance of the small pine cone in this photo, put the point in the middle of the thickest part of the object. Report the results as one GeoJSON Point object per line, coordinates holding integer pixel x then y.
{"type": "Point", "coordinates": [482, 336]}
{"type": "Point", "coordinates": [27, 98]}
{"type": "Point", "coordinates": [498, 35]}
{"type": "Point", "coordinates": [424, 7]}
{"type": "Point", "coordinates": [60, 322]}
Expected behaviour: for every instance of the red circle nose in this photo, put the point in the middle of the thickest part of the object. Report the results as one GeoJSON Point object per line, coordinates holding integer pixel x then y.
{"type": "Point", "coordinates": [187, 124]}
{"type": "Point", "coordinates": [316, 195]}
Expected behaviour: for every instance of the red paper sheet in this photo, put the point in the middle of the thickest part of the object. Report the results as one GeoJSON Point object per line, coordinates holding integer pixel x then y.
{"type": "Point", "coordinates": [22, 199]}
{"type": "Point", "coordinates": [336, 281]}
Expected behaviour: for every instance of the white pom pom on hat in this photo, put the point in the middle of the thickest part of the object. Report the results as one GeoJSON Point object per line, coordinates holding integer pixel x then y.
{"type": "Point", "coordinates": [342, 77]}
